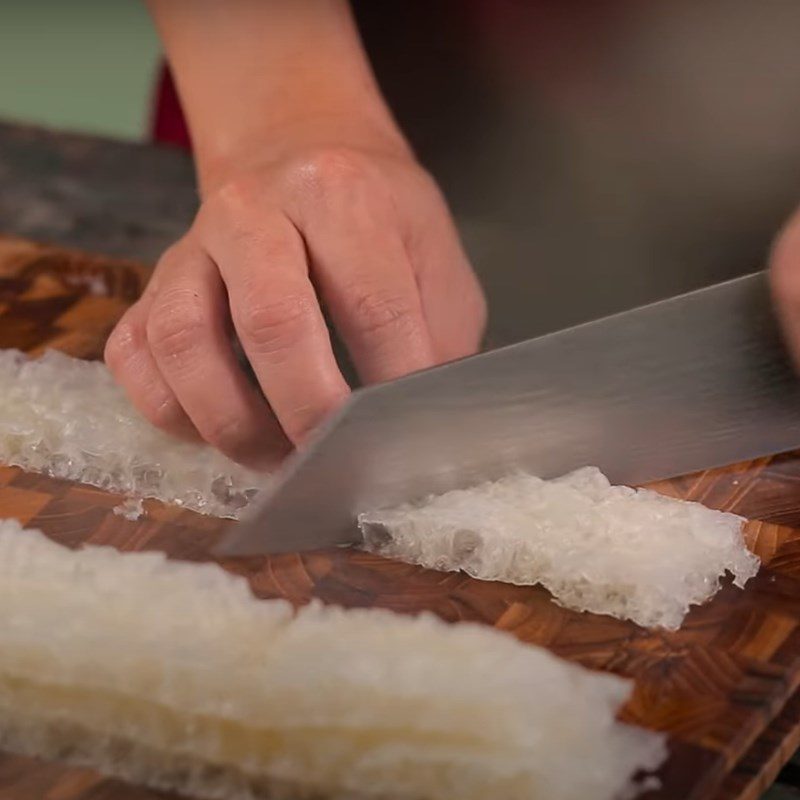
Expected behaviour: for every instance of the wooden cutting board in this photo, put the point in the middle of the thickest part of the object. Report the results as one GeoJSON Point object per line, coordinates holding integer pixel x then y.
{"type": "Point", "coordinates": [726, 687]}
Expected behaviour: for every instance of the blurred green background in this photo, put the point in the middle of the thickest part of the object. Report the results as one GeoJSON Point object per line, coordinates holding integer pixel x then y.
{"type": "Point", "coordinates": [79, 65]}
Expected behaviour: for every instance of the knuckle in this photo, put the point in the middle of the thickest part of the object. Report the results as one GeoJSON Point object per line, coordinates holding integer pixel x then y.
{"type": "Point", "coordinates": [250, 441]}
{"type": "Point", "coordinates": [228, 434]}
{"type": "Point", "coordinates": [275, 325]}
{"type": "Point", "coordinates": [163, 411]}
{"type": "Point", "coordinates": [173, 253]}
{"type": "Point", "coordinates": [376, 311]}
{"type": "Point", "coordinates": [175, 325]}
{"type": "Point", "coordinates": [123, 343]}
{"type": "Point", "coordinates": [302, 420]}
{"type": "Point", "coordinates": [334, 164]}
{"type": "Point", "coordinates": [301, 423]}
{"type": "Point", "coordinates": [332, 171]}
{"type": "Point", "coordinates": [235, 206]}
{"type": "Point", "coordinates": [237, 196]}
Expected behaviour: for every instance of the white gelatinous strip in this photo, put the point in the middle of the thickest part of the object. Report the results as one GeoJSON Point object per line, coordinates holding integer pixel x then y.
{"type": "Point", "coordinates": [174, 675]}
{"type": "Point", "coordinates": [608, 549]}
{"type": "Point", "coordinates": [68, 418]}
{"type": "Point", "coordinates": [611, 550]}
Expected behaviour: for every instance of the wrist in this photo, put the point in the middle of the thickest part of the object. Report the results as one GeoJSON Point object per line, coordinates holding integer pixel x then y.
{"type": "Point", "coordinates": [364, 125]}
{"type": "Point", "coordinates": [270, 77]}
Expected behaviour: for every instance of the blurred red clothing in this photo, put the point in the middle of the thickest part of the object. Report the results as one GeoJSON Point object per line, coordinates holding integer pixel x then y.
{"type": "Point", "coordinates": [168, 124]}
{"type": "Point", "coordinates": [549, 42]}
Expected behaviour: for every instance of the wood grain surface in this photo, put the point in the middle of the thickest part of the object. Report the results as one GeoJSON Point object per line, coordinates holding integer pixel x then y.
{"type": "Point", "coordinates": [726, 687]}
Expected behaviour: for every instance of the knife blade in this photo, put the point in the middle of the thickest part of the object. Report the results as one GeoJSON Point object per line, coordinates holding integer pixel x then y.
{"type": "Point", "coordinates": [690, 383]}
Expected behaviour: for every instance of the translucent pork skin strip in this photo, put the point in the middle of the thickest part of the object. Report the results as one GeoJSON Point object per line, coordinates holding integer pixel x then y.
{"type": "Point", "coordinates": [632, 554]}
{"type": "Point", "coordinates": [67, 418]}
{"type": "Point", "coordinates": [596, 547]}
{"type": "Point", "coordinates": [212, 692]}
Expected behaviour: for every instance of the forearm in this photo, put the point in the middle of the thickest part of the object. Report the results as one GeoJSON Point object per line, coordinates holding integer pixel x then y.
{"type": "Point", "coordinates": [255, 74]}
{"type": "Point", "coordinates": [313, 210]}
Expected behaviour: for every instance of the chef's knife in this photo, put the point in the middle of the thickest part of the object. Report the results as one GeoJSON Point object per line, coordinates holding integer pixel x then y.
{"type": "Point", "coordinates": [690, 383]}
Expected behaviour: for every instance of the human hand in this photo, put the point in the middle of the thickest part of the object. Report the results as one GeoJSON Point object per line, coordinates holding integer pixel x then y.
{"type": "Point", "coordinates": [784, 271]}
{"type": "Point", "coordinates": [358, 228]}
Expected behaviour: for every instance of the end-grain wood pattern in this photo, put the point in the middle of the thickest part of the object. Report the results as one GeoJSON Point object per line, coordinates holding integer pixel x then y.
{"type": "Point", "coordinates": [726, 687]}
